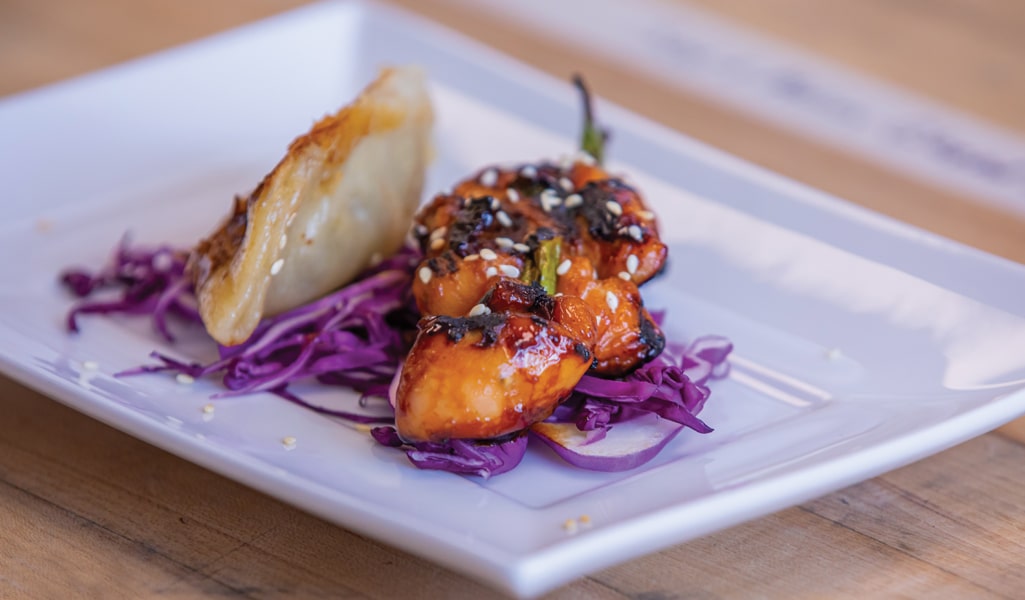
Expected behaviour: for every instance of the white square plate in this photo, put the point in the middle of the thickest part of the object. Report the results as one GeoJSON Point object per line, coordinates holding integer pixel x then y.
{"type": "Point", "coordinates": [861, 344]}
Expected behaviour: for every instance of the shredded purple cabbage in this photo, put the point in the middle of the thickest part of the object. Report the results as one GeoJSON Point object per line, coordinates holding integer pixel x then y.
{"type": "Point", "coordinates": [354, 337]}
{"type": "Point", "coordinates": [673, 386]}
{"type": "Point", "coordinates": [484, 458]}
{"type": "Point", "coordinates": [152, 282]}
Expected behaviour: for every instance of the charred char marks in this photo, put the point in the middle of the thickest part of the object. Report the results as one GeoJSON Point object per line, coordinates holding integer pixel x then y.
{"type": "Point", "coordinates": [651, 337]}
{"type": "Point", "coordinates": [456, 328]}
{"type": "Point", "coordinates": [601, 223]}
{"type": "Point", "coordinates": [443, 264]}
{"type": "Point", "coordinates": [470, 221]}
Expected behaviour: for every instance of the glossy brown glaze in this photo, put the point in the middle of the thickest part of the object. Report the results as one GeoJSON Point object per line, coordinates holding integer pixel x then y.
{"type": "Point", "coordinates": [493, 373]}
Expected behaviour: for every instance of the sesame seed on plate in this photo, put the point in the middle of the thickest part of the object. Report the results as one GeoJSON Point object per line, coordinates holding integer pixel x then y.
{"type": "Point", "coordinates": [425, 275]}
{"type": "Point", "coordinates": [570, 525]}
{"type": "Point", "coordinates": [564, 267]}
{"type": "Point", "coordinates": [614, 207]}
{"type": "Point", "coordinates": [477, 310]}
{"type": "Point", "coordinates": [509, 271]}
{"type": "Point", "coordinates": [289, 442]}
{"type": "Point", "coordinates": [208, 408]}
{"type": "Point", "coordinates": [611, 300]}
{"type": "Point", "coordinates": [488, 254]}
{"type": "Point", "coordinates": [184, 378]}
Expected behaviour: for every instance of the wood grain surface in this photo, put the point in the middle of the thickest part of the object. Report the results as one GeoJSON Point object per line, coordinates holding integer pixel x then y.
{"type": "Point", "coordinates": [86, 511]}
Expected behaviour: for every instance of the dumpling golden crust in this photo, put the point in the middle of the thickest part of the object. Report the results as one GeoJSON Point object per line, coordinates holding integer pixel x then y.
{"type": "Point", "coordinates": [344, 192]}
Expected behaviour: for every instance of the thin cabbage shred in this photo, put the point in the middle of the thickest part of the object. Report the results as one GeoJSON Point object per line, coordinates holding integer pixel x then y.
{"type": "Point", "coordinates": [151, 282]}
{"type": "Point", "coordinates": [358, 336]}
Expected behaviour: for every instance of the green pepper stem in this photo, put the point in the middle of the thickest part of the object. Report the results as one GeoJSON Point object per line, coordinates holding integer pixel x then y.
{"type": "Point", "coordinates": [592, 140]}
{"type": "Point", "coordinates": [547, 258]}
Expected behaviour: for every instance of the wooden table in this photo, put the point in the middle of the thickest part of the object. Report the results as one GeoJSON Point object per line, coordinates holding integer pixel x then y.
{"type": "Point", "coordinates": [86, 511]}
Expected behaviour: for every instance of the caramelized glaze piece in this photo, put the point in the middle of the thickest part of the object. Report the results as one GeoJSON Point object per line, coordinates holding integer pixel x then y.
{"type": "Point", "coordinates": [626, 335]}
{"type": "Point", "coordinates": [344, 192]}
{"type": "Point", "coordinates": [496, 372]}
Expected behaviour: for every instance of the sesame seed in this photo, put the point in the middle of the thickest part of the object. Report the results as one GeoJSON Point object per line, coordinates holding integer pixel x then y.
{"type": "Point", "coordinates": [612, 301]}
{"type": "Point", "coordinates": [521, 247]}
{"type": "Point", "coordinates": [504, 218]}
{"type": "Point", "coordinates": [184, 378]}
{"type": "Point", "coordinates": [509, 271]}
{"type": "Point", "coordinates": [635, 232]}
{"type": "Point", "coordinates": [91, 365]}
{"type": "Point", "coordinates": [439, 233]}
{"type": "Point", "coordinates": [614, 207]}
{"type": "Point", "coordinates": [471, 257]}
{"type": "Point", "coordinates": [276, 267]}
{"type": "Point", "coordinates": [584, 157]}
{"type": "Point", "coordinates": [625, 276]}
{"type": "Point", "coordinates": [647, 215]}
{"type": "Point", "coordinates": [490, 272]}
{"type": "Point", "coordinates": [574, 200]}
{"type": "Point", "coordinates": [477, 310]}
{"type": "Point", "coordinates": [488, 254]}
{"type": "Point", "coordinates": [289, 442]}
{"type": "Point", "coordinates": [283, 242]}
{"type": "Point", "coordinates": [425, 275]}
{"type": "Point", "coordinates": [437, 244]}
{"type": "Point", "coordinates": [566, 184]}
{"type": "Point", "coordinates": [585, 520]}
{"type": "Point", "coordinates": [632, 262]}
{"type": "Point", "coordinates": [570, 525]}
{"type": "Point", "coordinates": [549, 199]}
{"type": "Point", "coordinates": [503, 242]}
{"type": "Point", "coordinates": [489, 177]}
{"type": "Point", "coordinates": [512, 195]}
{"type": "Point", "coordinates": [528, 171]}
{"type": "Point", "coordinates": [564, 267]}
{"type": "Point", "coordinates": [495, 204]}
{"type": "Point", "coordinates": [363, 427]}
{"type": "Point", "coordinates": [208, 408]}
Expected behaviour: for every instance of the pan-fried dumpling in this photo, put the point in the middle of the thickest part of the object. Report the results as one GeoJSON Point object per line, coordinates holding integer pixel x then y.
{"type": "Point", "coordinates": [345, 191]}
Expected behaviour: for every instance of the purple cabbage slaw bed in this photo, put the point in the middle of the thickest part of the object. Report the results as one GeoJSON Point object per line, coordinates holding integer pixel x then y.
{"type": "Point", "coordinates": [358, 336]}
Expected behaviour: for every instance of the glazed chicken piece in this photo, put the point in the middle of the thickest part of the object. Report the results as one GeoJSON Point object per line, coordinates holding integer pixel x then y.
{"type": "Point", "coordinates": [492, 226]}
{"type": "Point", "coordinates": [497, 371]}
